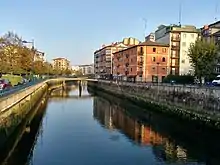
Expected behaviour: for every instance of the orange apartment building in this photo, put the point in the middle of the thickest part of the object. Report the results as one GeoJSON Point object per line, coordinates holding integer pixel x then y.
{"type": "Point", "coordinates": [103, 57]}
{"type": "Point", "coordinates": [147, 62]}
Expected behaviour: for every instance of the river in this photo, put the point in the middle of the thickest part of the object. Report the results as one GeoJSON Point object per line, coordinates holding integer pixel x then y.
{"type": "Point", "coordinates": [103, 130]}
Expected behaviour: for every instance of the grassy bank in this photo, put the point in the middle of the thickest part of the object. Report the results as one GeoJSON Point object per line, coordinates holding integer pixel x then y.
{"type": "Point", "coordinates": [14, 79]}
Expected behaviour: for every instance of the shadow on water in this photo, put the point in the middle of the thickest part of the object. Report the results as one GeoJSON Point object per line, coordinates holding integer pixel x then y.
{"type": "Point", "coordinates": [172, 140]}
{"type": "Point", "coordinates": [19, 147]}
{"type": "Point", "coordinates": [20, 144]}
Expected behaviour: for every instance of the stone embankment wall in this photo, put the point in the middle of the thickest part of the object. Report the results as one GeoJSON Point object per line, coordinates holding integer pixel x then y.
{"type": "Point", "coordinates": [193, 103]}
{"type": "Point", "coordinates": [15, 107]}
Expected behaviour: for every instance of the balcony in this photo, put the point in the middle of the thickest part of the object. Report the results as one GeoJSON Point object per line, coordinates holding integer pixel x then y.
{"type": "Point", "coordinates": [175, 55]}
{"type": "Point", "coordinates": [140, 53]}
{"type": "Point", "coordinates": [175, 64]}
{"type": "Point", "coordinates": [140, 63]}
{"type": "Point", "coordinates": [175, 47]}
{"type": "Point", "coordinates": [139, 72]}
{"type": "Point", "coordinates": [175, 38]}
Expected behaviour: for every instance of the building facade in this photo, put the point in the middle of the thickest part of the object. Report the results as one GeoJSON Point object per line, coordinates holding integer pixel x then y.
{"type": "Point", "coordinates": [179, 38]}
{"type": "Point", "coordinates": [39, 56]}
{"type": "Point", "coordinates": [87, 69]}
{"type": "Point", "coordinates": [211, 32]}
{"type": "Point", "coordinates": [103, 58]}
{"type": "Point", "coordinates": [146, 62]}
{"type": "Point", "coordinates": [61, 63]}
{"type": "Point", "coordinates": [150, 37]}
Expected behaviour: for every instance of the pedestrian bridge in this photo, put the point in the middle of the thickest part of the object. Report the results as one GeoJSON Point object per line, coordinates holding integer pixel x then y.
{"type": "Point", "coordinates": [72, 79]}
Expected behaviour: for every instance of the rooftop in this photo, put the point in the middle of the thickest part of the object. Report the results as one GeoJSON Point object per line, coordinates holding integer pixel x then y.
{"type": "Point", "coordinates": [146, 43]}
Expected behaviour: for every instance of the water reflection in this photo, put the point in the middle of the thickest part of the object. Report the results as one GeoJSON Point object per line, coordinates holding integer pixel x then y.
{"type": "Point", "coordinates": [24, 138]}
{"type": "Point", "coordinates": [146, 133]}
{"type": "Point", "coordinates": [70, 133]}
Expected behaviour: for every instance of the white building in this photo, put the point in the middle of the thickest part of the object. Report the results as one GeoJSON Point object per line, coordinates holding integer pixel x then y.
{"type": "Point", "coordinates": [179, 38]}
{"type": "Point", "coordinates": [39, 56]}
{"type": "Point", "coordinates": [87, 69]}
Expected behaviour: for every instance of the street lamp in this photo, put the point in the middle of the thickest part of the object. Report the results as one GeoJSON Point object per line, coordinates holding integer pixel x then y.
{"type": "Point", "coordinates": [32, 42]}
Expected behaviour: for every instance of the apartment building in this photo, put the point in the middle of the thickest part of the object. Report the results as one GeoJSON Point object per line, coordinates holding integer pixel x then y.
{"type": "Point", "coordinates": [150, 37]}
{"type": "Point", "coordinates": [39, 56]}
{"type": "Point", "coordinates": [179, 38]}
{"type": "Point", "coordinates": [61, 63]}
{"type": "Point", "coordinates": [212, 32]}
{"type": "Point", "coordinates": [147, 61]}
{"type": "Point", "coordinates": [87, 69]}
{"type": "Point", "coordinates": [103, 57]}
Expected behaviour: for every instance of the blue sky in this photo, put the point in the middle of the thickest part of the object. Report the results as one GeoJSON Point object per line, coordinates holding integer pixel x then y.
{"type": "Point", "coordinates": [76, 28]}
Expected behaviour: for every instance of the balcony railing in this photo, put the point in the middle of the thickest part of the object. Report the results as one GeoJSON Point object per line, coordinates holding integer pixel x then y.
{"type": "Point", "coordinates": [175, 47]}
{"type": "Point", "coordinates": [175, 64]}
{"type": "Point", "coordinates": [175, 55]}
{"type": "Point", "coordinates": [175, 38]}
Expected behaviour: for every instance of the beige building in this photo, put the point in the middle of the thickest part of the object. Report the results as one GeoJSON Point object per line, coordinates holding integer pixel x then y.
{"type": "Point", "coordinates": [179, 38]}
{"type": "Point", "coordinates": [103, 57]}
{"type": "Point", "coordinates": [61, 63]}
{"type": "Point", "coordinates": [39, 56]}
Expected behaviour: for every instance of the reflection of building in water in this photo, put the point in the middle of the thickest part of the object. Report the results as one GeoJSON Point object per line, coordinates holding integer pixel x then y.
{"type": "Point", "coordinates": [102, 113]}
{"type": "Point", "coordinates": [113, 116]}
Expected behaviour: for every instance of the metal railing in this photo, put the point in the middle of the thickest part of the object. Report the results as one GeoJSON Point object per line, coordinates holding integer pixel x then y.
{"type": "Point", "coordinates": [14, 89]}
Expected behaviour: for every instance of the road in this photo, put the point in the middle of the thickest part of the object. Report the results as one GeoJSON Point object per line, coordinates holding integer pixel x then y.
{"type": "Point", "coordinates": [4, 93]}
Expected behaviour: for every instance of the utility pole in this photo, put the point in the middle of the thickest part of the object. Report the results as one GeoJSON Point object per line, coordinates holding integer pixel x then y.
{"type": "Point", "coordinates": [216, 11]}
{"type": "Point", "coordinates": [180, 12]}
{"type": "Point", "coordinates": [145, 26]}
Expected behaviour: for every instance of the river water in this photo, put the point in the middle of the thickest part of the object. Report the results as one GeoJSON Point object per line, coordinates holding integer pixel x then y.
{"type": "Point", "coordinates": [103, 130]}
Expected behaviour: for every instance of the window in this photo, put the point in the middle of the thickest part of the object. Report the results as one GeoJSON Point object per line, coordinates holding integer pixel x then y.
{"type": "Point", "coordinates": [163, 69]}
{"type": "Point", "coordinates": [131, 69]}
{"type": "Point", "coordinates": [163, 59]}
{"type": "Point", "coordinates": [164, 50]}
{"type": "Point", "coordinates": [183, 61]}
{"type": "Point", "coordinates": [153, 68]}
{"type": "Point", "coordinates": [154, 49]}
{"type": "Point", "coordinates": [141, 49]}
{"type": "Point", "coordinates": [154, 59]}
{"type": "Point", "coordinates": [184, 44]}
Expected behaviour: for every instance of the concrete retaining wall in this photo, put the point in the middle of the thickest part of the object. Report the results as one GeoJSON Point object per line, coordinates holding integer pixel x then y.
{"type": "Point", "coordinates": [193, 104]}
{"type": "Point", "coordinates": [15, 107]}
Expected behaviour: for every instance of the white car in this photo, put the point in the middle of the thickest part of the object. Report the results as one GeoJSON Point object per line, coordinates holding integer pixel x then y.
{"type": "Point", "coordinates": [216, 81]}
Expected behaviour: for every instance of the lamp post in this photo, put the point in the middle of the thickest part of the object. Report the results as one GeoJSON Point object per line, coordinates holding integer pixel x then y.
{"type": "Point", "coordinates": [32, 42]}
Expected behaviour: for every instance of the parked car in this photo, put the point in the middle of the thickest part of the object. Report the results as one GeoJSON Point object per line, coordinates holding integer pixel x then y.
{"type": "Point", "coordinates": [5, 84]}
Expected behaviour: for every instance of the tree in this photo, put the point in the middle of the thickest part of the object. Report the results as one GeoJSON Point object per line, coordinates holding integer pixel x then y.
{"type": "Point", "coordinates": [203, 56]}
{"type": "Point", "coordinates": [14, 56]}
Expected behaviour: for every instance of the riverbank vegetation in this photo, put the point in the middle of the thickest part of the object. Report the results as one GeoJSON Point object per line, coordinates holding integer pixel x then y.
{"type": "Point", "coordinates": [204, 56]}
